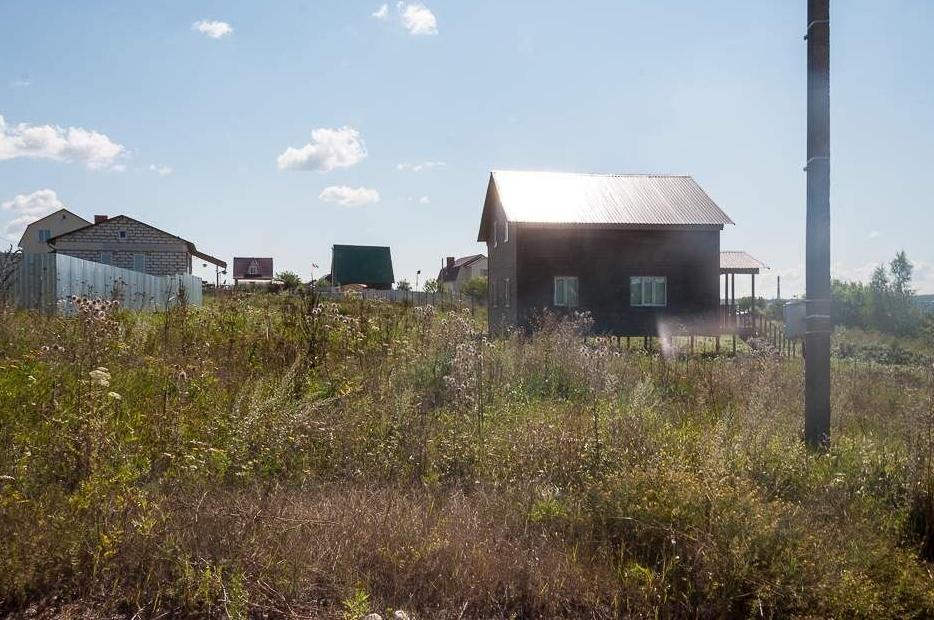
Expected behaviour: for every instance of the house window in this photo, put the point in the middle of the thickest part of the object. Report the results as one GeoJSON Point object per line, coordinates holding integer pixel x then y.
{"type": "Point", "coordinates": [121, 234]}
{"type": "Point", "coordinates": [139, 263]}
{"type": "Point", "coordinates": [107, 258]}
{"type": "Point", "coordinates": [253, 269]}
{"type": "Point", "coordinates": [566, 291]}
{"type": "Point", "coordinates": [507, 292]}
{"type": "Point", "coordinates": [505, 232]}
{"type": "Point", "coordinates": [45, 234]}
{"type": "Point", "coordinates": [648, 291]}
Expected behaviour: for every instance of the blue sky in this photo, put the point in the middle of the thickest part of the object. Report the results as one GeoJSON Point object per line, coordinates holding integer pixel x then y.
{"type": "Point", "coordinates": [189, 131]}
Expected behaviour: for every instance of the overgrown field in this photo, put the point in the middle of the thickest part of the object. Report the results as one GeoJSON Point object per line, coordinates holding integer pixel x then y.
{"type": "Point", "coordinates": [271, 455]}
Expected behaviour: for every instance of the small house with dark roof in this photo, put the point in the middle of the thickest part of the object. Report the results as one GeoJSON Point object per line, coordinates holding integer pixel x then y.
{"type": "Point", "coordinates": [458, 272]}
{"type": "Point", "coordinates": [130, 244]}
{"type": "Point", "coordinates": [252, 268]}
{"type": "Point", "coordinates": [366, 265]}
{"type": "Point", "coordinates": [637, 252]}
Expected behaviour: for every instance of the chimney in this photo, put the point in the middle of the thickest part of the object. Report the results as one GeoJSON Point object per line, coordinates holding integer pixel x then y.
{"type": "Point", "coordinates": [450, 262]}
{"type": "Point", "coordinates": [100, 218]}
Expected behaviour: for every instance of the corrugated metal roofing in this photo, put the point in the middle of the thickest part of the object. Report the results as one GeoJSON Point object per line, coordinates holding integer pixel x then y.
{"type": "Point", "coordinates": [362, 264]}
{"type": "Point", "coordinates": [739, 260]}
{"type": "Point", "coordinates": [638, 199]}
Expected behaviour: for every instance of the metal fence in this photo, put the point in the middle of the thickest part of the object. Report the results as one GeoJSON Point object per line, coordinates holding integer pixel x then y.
{"type": "Point", "coordinates": [46, 281]}
{"type": "Point", "coordinates": [413, 298]}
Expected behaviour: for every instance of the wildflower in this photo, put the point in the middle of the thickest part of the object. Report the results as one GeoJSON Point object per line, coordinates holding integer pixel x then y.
{"type": "Point", "coordinates": [100, 376]}
{"type": "Point", "coordinates": [114, 396]}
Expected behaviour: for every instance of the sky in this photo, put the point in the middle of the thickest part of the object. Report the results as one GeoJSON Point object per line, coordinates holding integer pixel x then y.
{"type": "Point", "coordinates": [281, 128]}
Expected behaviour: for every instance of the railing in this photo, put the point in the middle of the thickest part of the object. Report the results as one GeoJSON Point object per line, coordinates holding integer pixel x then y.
{"type": "Point", "coordinates": [747, 325]}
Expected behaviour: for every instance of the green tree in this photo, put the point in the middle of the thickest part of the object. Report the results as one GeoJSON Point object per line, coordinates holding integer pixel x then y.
{"type": "Point", "coordinates": [290, 280]}
{"type": "Point", "coordinates": [902, 269]}
{"type": "Point", "coordinates": [432, 286]}
{"type": "Point", "coordinates": [403, 285]}
{"type": "Point", "coordinates": [476, 289]}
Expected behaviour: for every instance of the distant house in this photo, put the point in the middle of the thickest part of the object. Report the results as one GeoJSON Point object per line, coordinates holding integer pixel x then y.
{"type": "Point", "coordinates": [252, 268]}
{"type": "Point", "coordinates": [35, 239]}
{"type": "Point", "coordinates": [128, 243]}
{"type": "Point", "coordinates": [457, 272]}
{"type": "Point", "coordinates": [367, 265]}
{"type": "Point", "coordinates": [635, 251]}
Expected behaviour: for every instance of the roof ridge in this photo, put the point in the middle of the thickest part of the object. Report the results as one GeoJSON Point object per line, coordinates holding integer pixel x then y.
{"type": "Point", "coordinates": [597, 174]}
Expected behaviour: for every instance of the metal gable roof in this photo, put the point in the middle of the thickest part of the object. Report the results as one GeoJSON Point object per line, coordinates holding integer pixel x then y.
{"type": "Point", "coordinates": [738, 260]}
{"type": "Point", "coordinates": [634, 199]}
{"type": "Point", "coordinates": [361, 264]}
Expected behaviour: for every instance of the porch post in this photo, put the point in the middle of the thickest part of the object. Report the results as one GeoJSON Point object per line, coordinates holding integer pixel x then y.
{"type": "Point", "coordinates": [753, 310]}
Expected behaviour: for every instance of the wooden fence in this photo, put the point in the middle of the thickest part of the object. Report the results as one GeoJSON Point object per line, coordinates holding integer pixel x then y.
{"type": "Point", "coordinates": [46, 281]}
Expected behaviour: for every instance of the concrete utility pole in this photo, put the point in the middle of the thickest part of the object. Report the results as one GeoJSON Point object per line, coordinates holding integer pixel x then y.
{"type": "Point", "coordinates": [817, 320]}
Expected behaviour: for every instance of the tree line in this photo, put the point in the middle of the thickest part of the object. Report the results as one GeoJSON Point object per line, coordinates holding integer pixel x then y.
{"type": "Point", "coordinates": [885, 304]}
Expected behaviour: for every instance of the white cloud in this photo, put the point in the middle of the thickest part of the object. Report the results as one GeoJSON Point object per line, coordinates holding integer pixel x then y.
{"type": "Point", "coordinates": [214, 29]}
{"type": "Point", "coordinates": [328, 149]}
{"type": "Point", "coordinates": [425, 165]}
{"type": "Point", "coordinates": [381, 13]}
{"type": "Point", "coordinates": [424, 200]}
{"type": "Point", "coordinates": [28, 208]}
{"type": "Point", "coordinates": [417, 19]}
{"type": "Point", "coordinates": [24, 81]}
{"type": "Point", "coordinates": [349, 196]}
{"type": "Point", "coordinates": [874, 234]}
{"type": "Point", "coordinates": [72, 144]}
{"type": "Point", "coordinates": [162, 171]}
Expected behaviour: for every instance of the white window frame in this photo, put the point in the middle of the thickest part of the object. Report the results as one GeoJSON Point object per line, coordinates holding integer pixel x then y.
{"type": "Point", "coordinates": [135, 257]}
{"type": "Point", "coordinates": [648, 284]}
{"type": "Point", "coordinates": [495, 233]}
{"type": "Point", "coordinates": [560, 298]}
{"type": "Point", "coordinates": [506, 232]}
{"type": "Point", "coordinates": [253, 269]}
{"type": "Point", "coordinates": [122, 235]}
{"type": "Point", "coordinates": [46, 236]}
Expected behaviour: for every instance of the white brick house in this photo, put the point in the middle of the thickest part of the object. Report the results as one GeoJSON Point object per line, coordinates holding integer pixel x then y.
{"type": "Point", "coordinates": [124, 242]}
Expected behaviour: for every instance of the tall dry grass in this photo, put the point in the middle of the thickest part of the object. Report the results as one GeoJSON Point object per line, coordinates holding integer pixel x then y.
{"type": "Point", "coordinates": [274, 455]}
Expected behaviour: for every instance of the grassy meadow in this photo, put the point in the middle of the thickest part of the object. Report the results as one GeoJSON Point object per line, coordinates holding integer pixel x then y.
{"type": "Point", "coordinates": [273, 456]}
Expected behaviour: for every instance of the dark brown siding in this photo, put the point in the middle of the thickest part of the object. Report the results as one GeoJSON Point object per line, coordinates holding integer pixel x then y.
{"type": "Point", "coordinates": [604, 260]}
{"type": "Point", "coordinates": [502, 271]}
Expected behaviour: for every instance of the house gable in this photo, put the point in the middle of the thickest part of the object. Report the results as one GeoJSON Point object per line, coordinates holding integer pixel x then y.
{"type": "Point", "coordinates": [56, 223]}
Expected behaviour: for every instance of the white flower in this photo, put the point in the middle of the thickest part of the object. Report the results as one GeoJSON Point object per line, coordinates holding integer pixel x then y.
{"type": "Point", "coordinates": [114, 396]}
{"type": "Point", "coordinates": [100, 376]}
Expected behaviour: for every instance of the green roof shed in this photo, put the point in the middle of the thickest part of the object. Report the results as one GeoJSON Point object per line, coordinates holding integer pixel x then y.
{"type": "Point", "coordinates": [370, 265]}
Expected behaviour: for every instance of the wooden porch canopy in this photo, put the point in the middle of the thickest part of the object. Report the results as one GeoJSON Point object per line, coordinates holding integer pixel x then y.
{"type": "Point", "coordinates": [732, 263]}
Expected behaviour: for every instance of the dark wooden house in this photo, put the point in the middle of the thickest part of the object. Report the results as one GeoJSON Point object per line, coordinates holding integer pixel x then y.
{"type": "Point", "coordinates": [638, 252]}
{"type": "Point", "coordinates": [364, 265]}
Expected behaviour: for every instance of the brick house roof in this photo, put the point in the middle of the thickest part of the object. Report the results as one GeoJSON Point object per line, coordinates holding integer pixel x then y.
{"type": "Point", "coordinates": [449, 274]}
{"type": "Point", "coordinates": [191, 246]}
